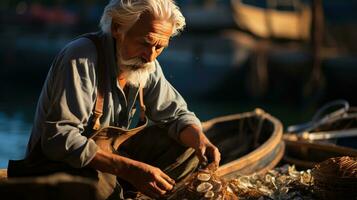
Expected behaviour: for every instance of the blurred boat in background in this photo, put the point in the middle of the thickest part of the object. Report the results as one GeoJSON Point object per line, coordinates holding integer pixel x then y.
{"type": "Point", "coordinates": [332, 132]}
{"type": "Point", "coordinates": [221, 48]}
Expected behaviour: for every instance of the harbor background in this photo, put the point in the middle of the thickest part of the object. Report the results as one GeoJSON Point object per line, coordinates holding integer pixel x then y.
{"type": "Point", "coordinates": [207, 63]}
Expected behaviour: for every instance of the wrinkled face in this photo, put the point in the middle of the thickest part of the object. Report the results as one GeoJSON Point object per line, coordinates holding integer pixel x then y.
{"type": "Point", "coordinates": [144, 41]}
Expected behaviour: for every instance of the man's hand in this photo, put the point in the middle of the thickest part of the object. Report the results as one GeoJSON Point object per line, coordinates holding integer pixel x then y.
{"type": "Point", "coordinates": [147, 179]}
{"type": "Point", "coordinates": [208, 153]}
{"type": "Point", "coordinates": [192, 136]}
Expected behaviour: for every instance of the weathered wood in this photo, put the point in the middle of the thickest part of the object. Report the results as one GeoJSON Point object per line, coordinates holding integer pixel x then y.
{"type": "Point", "coordinates": [271, 22]}
{"type": "Point", "coordinates": [3, 174]}
{"type": "Point", "coordinates": [55, 187]}
{"type": "Point", "coordinates": [249, 142]}
{"type": "Point", "coordinates": [312, 143]}
{"type": "Point", "coordinates": [307, 154]}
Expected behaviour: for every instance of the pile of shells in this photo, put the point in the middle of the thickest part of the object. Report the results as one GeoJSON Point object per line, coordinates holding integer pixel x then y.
{"type": "Point", "coordinates": [281, 183]}
{"type": "Point", "coordinates": [205, 185]}
{"type": "Point", "coordinates": [335, 178]}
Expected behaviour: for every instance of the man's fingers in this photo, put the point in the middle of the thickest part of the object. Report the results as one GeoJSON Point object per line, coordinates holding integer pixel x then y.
{"type": "Point", "coordinates": [216, 156]}
{"type": "Point", "coordinates": [201, 155]}
{"type": "Point", "coordinates": [163, 184]}
{"type": "Point", "coordinates": [168, 178]}
{"type": "Point", "coordinates": [153, 190]}
{"type": "Point", "coordinates": [157, 190]}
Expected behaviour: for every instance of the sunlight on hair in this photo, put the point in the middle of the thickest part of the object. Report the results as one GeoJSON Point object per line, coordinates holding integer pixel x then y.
{"type": "Point", "coordinates": [126, 12]}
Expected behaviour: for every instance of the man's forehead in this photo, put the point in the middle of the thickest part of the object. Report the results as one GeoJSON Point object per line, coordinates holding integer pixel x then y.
{"type": "Point", "coordinates": [148, 27]}
{"type": "Point", "coordinates": [157, 38]}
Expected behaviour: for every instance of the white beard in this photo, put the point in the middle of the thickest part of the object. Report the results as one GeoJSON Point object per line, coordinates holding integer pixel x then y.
{"type": "Point", "coordinates": [134, 70]}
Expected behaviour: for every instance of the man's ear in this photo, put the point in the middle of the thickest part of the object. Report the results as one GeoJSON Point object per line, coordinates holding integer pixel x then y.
{"type": "Point", "coordinates": [115, 28]}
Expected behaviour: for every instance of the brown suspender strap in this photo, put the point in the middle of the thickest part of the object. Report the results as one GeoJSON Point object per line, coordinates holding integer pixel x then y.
{"type": "Point", "coordinates": [142, 105]}
{"type": "Point", "coordinates": [103, 86]}
{"type": "Point", "coordinates": [97, 112]}
{"type": "Point", "coordinates": [102, 80]}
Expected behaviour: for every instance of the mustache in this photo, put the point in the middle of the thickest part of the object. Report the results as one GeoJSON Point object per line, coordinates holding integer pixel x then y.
{"type": "Point", "coordinates": [135, 63]}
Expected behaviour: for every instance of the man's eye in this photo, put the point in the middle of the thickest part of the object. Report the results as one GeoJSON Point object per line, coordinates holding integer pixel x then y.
{"type": "Point", "coordinates": [159, 47]}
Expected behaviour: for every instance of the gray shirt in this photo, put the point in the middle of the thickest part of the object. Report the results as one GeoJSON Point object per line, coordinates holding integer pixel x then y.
{"type": "Point", "coordinates": [68, 97]}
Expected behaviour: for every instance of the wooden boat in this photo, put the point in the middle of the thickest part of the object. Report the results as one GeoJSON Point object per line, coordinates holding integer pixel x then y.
{"type": "Point", "coordinates": [306, 154]}
{"type": "Point", "coordinates": [249, 142]}
{"type": "Point", "coordinates": [331, 135]}
{"type": "Point", "coordinates": [3, 174]}
{"type": "Point", "coordinates": [267, 21]}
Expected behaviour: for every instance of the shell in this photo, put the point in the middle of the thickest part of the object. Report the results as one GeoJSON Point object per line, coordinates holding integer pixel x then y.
{"type": "Point", "coordinates": [284, 190]}
{"type": "Point", "coordinates": [204, 187]}
{"type": "Point", "coordinates": [203, 177]}
{"type": "Point", "coordinates": [265, 190]}
{"type": "Point", "coordinates": [282, 183]}
{"type": "Point", "coordinates": [219, 197]}
{"type": "Point", "coordinates": [244, 182]}
{"type": "Point", "coordinates": [217, 186]}
{"type": "Point", "coordinates": [209, 194]}
{"type": "Point", "coordinates": [229, 189]}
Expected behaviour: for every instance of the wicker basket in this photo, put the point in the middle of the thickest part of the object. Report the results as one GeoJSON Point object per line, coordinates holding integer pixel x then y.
{"type": "Point", "coordinates": [336, 178]}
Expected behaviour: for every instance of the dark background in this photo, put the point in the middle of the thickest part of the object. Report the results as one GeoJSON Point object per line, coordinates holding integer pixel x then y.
{"type": "Point", "coordinates": [212, 63]}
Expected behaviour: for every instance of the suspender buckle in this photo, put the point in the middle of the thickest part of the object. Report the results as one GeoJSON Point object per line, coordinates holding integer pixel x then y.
{"type": "Point", "coordinates": [96, 121]}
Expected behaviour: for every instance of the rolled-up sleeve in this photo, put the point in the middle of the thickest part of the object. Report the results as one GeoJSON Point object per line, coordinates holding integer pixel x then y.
{"type": "Point", "coordinates": [166, 106]}
{"type": "Point", "coordinates": [71, 93]}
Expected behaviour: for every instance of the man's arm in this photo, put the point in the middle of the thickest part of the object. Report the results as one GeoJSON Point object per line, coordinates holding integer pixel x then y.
{"type": "Point", "coordinates": [166, 106]}
{"type": "Point", "coordinates": [146, 178]}
{"type": "Point", "coordinates": [66, 104]}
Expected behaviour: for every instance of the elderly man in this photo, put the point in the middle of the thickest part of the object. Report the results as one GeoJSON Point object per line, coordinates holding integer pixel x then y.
{"type": "Point", "coordinates": [134, 33]}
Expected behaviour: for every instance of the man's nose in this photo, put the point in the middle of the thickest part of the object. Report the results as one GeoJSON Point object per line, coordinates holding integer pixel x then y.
{"type": "Point", "coordinates": [150, 54]}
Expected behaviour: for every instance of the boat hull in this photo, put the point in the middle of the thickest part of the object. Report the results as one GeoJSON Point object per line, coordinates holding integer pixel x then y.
{"type": "Point", "coordinates": [249, 142]}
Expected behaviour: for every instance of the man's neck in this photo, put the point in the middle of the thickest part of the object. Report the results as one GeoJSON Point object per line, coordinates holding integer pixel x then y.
{"type": "Point", "coordinates": [121, 81]}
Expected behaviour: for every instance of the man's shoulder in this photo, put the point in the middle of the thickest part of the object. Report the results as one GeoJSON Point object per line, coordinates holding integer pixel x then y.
{"type": "Point", "coordinates": [80, 47]}
{"type": "Point", "coordinates": [80, 55]}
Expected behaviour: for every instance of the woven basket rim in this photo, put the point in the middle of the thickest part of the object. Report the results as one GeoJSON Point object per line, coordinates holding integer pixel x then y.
{"type": "Point", "coordinates": [323, 176]}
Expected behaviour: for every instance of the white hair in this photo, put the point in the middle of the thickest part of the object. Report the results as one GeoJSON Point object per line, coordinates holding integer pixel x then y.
{"type": "Point", "coordinates": [127, 12]}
